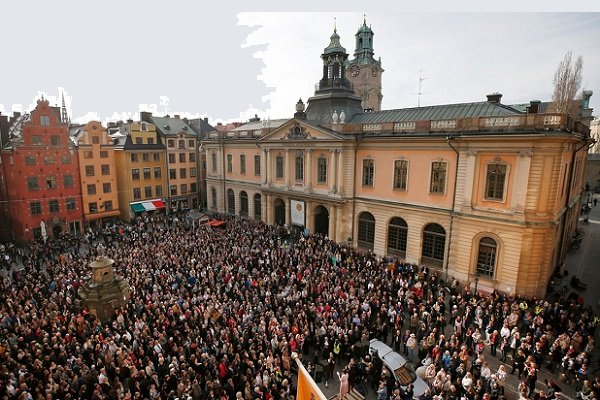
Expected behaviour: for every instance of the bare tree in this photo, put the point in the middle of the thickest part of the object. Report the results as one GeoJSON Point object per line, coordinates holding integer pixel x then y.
{"type": "Point", "coordinates": [567, 81]}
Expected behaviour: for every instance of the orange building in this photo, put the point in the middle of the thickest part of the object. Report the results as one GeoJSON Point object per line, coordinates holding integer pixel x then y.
{"type": "Point", "coordinates": [481, 191]}
{"type": "Point", "coordinates": [140, 162]}
{"type": "Point", "coordinates": [97, 171]}
{"type": "Point", "coordinates": [42, 193]}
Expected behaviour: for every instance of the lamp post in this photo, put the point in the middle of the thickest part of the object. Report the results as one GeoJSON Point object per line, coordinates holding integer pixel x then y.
{"type": "Point", "coordinates": [477, 274]}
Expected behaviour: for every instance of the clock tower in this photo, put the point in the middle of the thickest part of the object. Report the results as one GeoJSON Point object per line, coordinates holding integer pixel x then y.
{"type": "Point", "coordinates": [334, 92]}
{"type": "Point", "coordinates": [364, 72]}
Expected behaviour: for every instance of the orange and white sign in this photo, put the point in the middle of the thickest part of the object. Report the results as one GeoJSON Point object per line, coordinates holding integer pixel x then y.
{"type": "Point", "coordinates": [307, 388]}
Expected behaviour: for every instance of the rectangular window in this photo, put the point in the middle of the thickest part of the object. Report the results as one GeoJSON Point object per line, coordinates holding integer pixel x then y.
{"type": "Point", "coordinates": [191, 143]}
{"type": "Point", "coordinates": [438, 177]}
{"type": "Point", "coordinates": [37, 140]}
{"type": "Point", "coordinates": [30, 160]}
{"type": "Point", "coordinates": [229, 163]}
{"type": "Point", "coordinates": [181, 157]}
{"type": "Point", "coordinates": [44, 120]}
{"type": "Point", "coordinates": [257, 165]}
{"type": "Point", "coordinates": [106, 187]}
{"type": "Point", "coordinates": [158, 190]}
{"type": "Point", "coordinates": [192, 157]}
{"type": "Point", "coordinates": [70, 204]}
{"type": "Point", "coordinates": [182, 144]}
{"type": "Point", "coordinates": [368, 172]}
{"type": "Point", "coordinates": [108, 205]}
{"type": "Point", "coordinates": [148, 191]}
{"type": "Point", "coordinates": [139, 140]}
{"type": "Point", "coordinates": [173, 173]}
{"type": "Point", "coordinates": [49, 160]}
{"type": "Point", "coordinates": [103, 154]}
{"type": "Point", "coordinates": [32, 183]}
{"type": "Point", "coordinates": [147, 173]}
{"type": "Point", "coordinates": [137, 193]}
{"type": "Point", "coordinates": [51, 182]}
{"type": "Point", "coordinates": [172, 158]}
{"type": "Point", "coordinates": [193, 188]}
{"type": "Point", "coordinates": [183, 188]}
{"type": "Point", "coordinates": [91, 188]}
{"type": "Point", "coordinates": [145, 157]}
{"type": "Point", "coordinates": [68, 181]}
{"type": "Point", "coordinates": [134, 157]}
{"type": "Point", "coordinates": [279, 167]}
{"type": "Point", "coordinates": [400, 174]}
{"type": "Point", "coordinates": [53, 206]}
{"type": "Point", "coordinates": [182, 173]}
{"type": "Point", "coordinates": [299, 167]}
{"type": "Point", "coordinates": [135, 174]}
{"type": "Point", "coordinates": [105, 169]}
{"type": "Point", "coordinates": [55, 140]}
{"type": "Point", "coordinates": [93, 207]}
{"type": "Point", "coordinates": [88, 154]}
{"type": "Point", "coordinates": [157, 172]}
{"type": "Point", "coordinates": [173, 190]}
{"type": "Point", "coordinates": [35, 208]}
{"type": "Point", "coordinates": [495, 179]}
{"type": "Point", "coordinates": [89, 170]}
{"type": "Point", "coordinates": [66, 159]}
{"type": "Point", "coordinates": [242, 164]}
{"type": "Point", "coordinates": [96, 139]}
{"type": "Point", "coordinates": [322, 170]}
{"type": "Point", "coordinates": [171, 143]}
{"type": "Point", "coordinates": [150, 140]}
{"type": "Point", "coordinates": [213, 157]}
{"type": "Point", "coordinates": [193, 172]}
{"type": "Point", "coordinates": [156, 156]}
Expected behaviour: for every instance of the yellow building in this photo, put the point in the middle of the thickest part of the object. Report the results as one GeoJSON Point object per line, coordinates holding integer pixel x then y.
{"type": "Point", "coordinates": [140, 162]}
{"type": "Point", "coordinates": [479, 191]}
{"type": "Point", "coordinates": [97, 172]}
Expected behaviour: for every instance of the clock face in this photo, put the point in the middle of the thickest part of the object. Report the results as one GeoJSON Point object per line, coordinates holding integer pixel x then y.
{"type": "Point", "coordinates": [374, 72]}
{"type": "Point", "coordinates": [355, 70]}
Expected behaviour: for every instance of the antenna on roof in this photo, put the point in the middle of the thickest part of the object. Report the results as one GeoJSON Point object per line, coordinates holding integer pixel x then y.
{"type": "Point", "coordinates": [419, 93]}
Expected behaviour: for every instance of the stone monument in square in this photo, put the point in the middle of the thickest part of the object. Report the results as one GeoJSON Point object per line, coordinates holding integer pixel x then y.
{"type": "Point", "coordinates": [104, 291]}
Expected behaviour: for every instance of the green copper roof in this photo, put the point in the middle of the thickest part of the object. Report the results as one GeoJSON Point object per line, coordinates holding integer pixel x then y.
{"type": "Point", "coordinates": [364, 28]}
{"type": "Point", "coordinates": [334, 45]}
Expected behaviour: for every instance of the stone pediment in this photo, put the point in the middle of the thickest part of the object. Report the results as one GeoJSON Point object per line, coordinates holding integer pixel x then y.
{"type": "Point", "coordinates": [300, 130]}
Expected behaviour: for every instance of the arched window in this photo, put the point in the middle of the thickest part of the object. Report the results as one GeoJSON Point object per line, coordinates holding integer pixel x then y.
{"type": "Point", "coordinates": [397, 234]}
{"type": "Point", "coordinates": [230, 201]}
{"type": "Point", "coordinates": [486, 257]}
{"type": "Point", "coordinates": [257, 207]}
{"type": "Point", "coordinates": [213, 196]}
{"type": "Point", "coordinates": [434, 244]}
{"type": "Point", "coordinates": [244, 204]}
{"type": "Point", "coordinates": [366, 230]}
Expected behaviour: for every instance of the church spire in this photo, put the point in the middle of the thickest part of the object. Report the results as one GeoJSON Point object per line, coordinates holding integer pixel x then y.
{"type": "Point", "coordinates": [364, 42]}
{"type": "Point", "coordinates": [63, 110]}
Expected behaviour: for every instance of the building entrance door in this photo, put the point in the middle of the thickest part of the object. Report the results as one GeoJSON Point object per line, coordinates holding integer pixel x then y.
{"type": "Point", "coordinates": [321, 220]}
{"type": "Point", "coordinates": [279, 211]}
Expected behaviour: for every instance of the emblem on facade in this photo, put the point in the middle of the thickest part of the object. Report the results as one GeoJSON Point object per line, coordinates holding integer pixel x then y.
{"type": "Point", "coordinates": [298, 132]}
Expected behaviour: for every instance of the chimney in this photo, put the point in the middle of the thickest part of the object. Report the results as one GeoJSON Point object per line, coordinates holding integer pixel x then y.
{"type": "Point", "coordinates": [176, 116]}
{"type": "Point", "coordinates": [534, 107]}
{"type": "Point", "coordinates": [255, 119]}
{"type": "Point", "coordinates": [145, 116]}
{"type": "Point", "coordinates": [206, 119]}
{"type": "Point", "coordinates": [494, 97]}
{"type": "Point", "coordinates": [130, 121]}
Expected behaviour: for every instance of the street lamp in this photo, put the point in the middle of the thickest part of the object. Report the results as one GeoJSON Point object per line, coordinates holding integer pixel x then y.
{"type": "Point", "coordinates": [477, 274]}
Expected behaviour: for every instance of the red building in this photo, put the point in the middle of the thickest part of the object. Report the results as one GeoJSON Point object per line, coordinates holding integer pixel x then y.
{"type": "Point", "coordinates": [42, 190]}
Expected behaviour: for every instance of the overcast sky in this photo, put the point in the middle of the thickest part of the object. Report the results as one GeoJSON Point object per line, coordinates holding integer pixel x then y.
{"type": "Point", "coordinates": [114, 58]}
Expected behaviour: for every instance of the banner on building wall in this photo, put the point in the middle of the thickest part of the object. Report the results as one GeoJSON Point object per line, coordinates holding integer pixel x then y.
{"type": "Point", "coordinates": [298, 212]}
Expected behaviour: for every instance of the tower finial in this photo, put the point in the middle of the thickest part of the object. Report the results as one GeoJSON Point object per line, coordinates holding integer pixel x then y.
{"type": "Point", "coordinates": [64, 115]}
{"type": "Point", "coordinates": [334, 25]}
{"type": "Point", "coordinates": [365, 18]}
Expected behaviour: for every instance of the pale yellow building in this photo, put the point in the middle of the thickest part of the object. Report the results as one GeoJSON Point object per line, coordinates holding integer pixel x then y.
{"type": "Point", "coordinates": [479, 191]}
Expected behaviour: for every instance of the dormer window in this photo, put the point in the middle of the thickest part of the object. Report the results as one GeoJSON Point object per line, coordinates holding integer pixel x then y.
{"type": "Point", "coordinates": [144, 127]}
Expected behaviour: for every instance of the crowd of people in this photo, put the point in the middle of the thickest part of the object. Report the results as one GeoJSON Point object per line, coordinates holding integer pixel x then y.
{"type": "Point", "coordinates": [216, 313]}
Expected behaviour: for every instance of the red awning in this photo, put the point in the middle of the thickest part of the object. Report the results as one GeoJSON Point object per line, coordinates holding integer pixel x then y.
{"type": "Point", "coordinates": [159, 204]}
